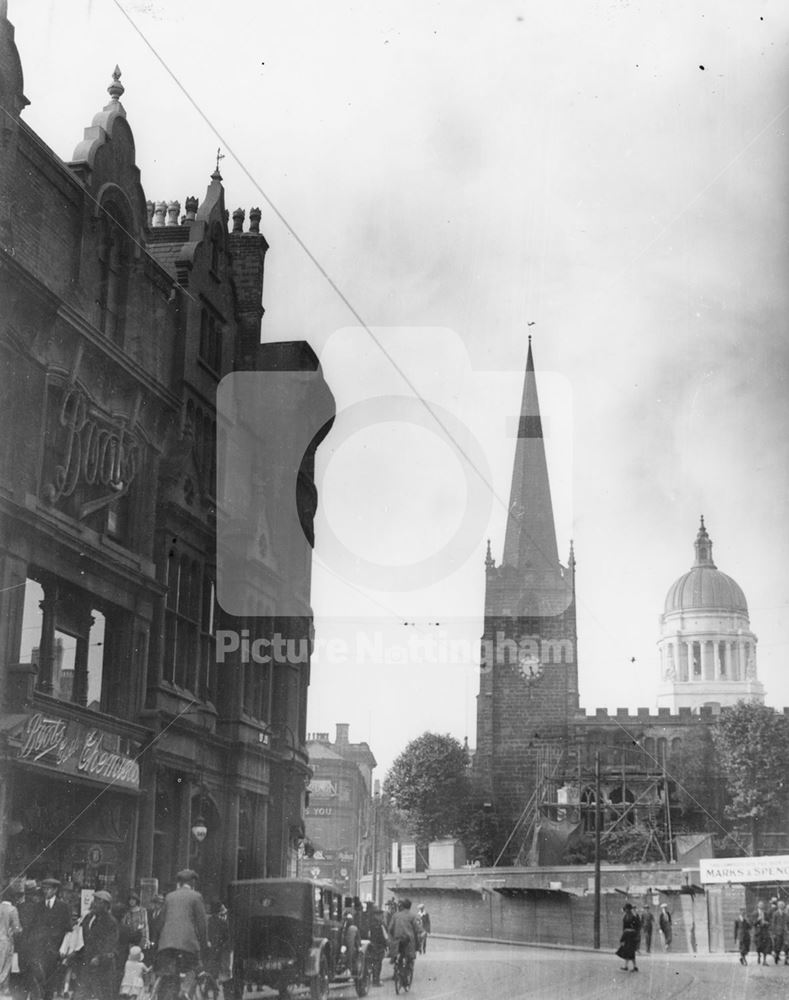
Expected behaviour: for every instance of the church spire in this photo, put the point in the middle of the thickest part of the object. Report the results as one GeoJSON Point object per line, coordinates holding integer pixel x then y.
{"type": "Point", "coordinates": [530, 540]}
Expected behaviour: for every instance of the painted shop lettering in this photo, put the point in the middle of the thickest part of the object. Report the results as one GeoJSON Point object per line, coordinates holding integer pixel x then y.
{"type": "Point", "coordinates": [49, 738]}
{"type": "Point", "coordinates": [95, 454]}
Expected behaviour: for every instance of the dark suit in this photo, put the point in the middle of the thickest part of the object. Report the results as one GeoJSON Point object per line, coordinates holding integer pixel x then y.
{"type": "Point", "coordinates": [54, 922]}
{"type": "Point", "coordinates": [100, 934]}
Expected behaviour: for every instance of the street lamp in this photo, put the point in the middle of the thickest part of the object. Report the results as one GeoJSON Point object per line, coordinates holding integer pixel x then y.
{"type": "Point", "coordinates": [199, 829]}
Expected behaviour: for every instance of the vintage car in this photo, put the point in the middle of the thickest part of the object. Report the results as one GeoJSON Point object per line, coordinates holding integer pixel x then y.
{"type": "Point", "coordinates": [289, 932]}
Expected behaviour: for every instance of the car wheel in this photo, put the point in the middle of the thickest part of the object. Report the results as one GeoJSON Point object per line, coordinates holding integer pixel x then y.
{"type": "Point", "coordinates": [319, 985]}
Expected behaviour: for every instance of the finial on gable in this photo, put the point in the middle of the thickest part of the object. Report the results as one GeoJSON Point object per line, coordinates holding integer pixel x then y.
{"type": "Point", "coordinates": [116, 88]}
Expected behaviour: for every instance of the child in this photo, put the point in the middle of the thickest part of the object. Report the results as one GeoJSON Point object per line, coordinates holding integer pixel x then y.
{"type": "Point", "coordinates": [134, 972]}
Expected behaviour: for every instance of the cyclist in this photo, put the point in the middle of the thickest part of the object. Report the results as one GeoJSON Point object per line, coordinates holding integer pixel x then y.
{"type": "Point", "coordinates": [405, 931]}
{"type": "Point", "coordinates": [183, 938]}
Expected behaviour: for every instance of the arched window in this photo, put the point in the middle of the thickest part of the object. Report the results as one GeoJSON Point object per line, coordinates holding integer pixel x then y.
{"type": "Point", "coordinates": [114, 259]}
{"type": "Point", "coordinates": [588, 810]}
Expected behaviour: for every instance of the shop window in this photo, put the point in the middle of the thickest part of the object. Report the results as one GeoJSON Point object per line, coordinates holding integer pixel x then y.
{"type": "Point", "coordinates": [114, 258]}
{"type": "Point", "coordinates": [65, 637]}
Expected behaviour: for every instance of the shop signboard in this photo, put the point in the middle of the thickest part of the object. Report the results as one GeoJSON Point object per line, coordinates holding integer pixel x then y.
{"type": "Point", "coordinates": [408, 857]}
{"type": "Point", "coordinates": [773, 868]}
{"type": "Point", "coordinates": [71, 748]}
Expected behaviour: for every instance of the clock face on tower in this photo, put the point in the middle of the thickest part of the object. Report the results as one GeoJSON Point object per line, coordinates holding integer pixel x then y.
{"type": "Point", "coordinates": [529, 667]}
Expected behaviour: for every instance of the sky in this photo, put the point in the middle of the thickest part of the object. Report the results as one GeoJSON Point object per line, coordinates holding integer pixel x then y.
{"type": "Point", "coordinates": [437, 181]}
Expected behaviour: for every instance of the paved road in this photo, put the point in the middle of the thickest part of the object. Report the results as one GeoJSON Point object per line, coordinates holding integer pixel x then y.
{"type": "Point", "coordinates": [461, 971]}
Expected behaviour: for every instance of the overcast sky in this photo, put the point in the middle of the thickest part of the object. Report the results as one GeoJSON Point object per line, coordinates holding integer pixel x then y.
{"type": "Point", "coordinates": [613, 173]}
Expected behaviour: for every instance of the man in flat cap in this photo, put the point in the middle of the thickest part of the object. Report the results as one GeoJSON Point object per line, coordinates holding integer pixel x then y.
{"type": "Point", "coordinates": [55, 924]}
{"type": "Point", "coordinates": [184, 932]}
{"type": "Point", "coordinates": [96, 970]}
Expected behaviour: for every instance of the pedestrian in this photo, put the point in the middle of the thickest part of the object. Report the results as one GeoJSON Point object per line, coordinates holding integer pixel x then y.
{"type": "Point", "coordinates": [664, 924]}
{"type": "Point", "coordinates": [136, 919]}
{"type": "Point", "coordinates": [10, 927]}
{"type": "Point", "coordinates": [350, 941]}
{"type": "Point", "coordinates": [779, 925]}
{"type": "Point", "coordinates": [183, 938]}
{"type": "Point", "coordinates": [55, 924]}
{"type": "Point", "coordinates": [647, 925]}
{"type": "Point", "coordinates": [424, 919]}
{"type": "Point", "coordinates": [125, 941]}
{"type": "Point", "coordinates": [134, 974]}
{"type": "Point", "coordinates": [30, 946]}
{"type": "Point", "coordinates": [760, 926]}
{"type": "Point", "coordinates": [219, 946]}
{"type": "Point", "coordinates": [379, 943]}
{"type": "Point", "coordinates": [96, 969]}
{"type": "Point", "coordinates": [742, 935]}
{"type": "Point", "coordinates": [629, 940]}
{"type": "Point", "coordinates": [155, 918]}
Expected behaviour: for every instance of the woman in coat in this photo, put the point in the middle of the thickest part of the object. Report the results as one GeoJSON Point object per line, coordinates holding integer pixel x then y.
{"type": "Point", "coordinates": [628, 943]}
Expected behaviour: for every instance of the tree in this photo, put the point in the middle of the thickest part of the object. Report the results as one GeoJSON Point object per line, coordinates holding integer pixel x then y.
{"type": "Point", "coordinates": [428, 784]}
{"type": "Point", "coordinates": [697, 783]}
{"type": "Point", "coordinates": [752, 742]}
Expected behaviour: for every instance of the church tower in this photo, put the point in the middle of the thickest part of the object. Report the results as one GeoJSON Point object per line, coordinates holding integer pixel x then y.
{"type": "Point", "coordinates": [707, 650]}
{"type": "Point", "coordinates": [528, 663]}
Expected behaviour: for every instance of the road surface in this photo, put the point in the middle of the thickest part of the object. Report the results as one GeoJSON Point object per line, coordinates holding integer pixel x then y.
{"type": "Point", "coordinates": [453, 970]}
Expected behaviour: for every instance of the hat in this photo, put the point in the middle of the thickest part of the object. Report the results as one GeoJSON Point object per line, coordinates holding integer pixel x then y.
{"type": "Point", "coordinates": [628, 906]}
{"type": "Point", "coordinates": [30, 885]}
{"type": "Point", "coordinates": [133, 895]}
{"type": "Point", "coordinates": [50, 883]}
{"type": "Point", "coordinates": [186, 875]}
{"type": "Point", "coordinates": [101, 894]}
{"type": "Point", "coordinates": [135, 954]}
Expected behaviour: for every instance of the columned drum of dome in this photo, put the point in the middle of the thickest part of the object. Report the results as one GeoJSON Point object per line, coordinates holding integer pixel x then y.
{"type": "Point", "coordinates": [706, 646]}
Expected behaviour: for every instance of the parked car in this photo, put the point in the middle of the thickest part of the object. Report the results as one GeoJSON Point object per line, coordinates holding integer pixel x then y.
{"type": "Point", "coordinates": [289, 932]}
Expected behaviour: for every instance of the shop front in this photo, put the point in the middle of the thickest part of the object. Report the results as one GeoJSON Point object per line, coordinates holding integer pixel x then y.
{"type": "Point", "coordinates": [72, 787]}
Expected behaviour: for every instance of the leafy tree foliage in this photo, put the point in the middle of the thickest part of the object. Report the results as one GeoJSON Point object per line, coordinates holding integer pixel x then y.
{"type": "Point", "coordinates": [697, 783]}
{"type": "Point", "coordinates": [428, 785]}
{"type": "Point", "coordinates": [752, 743]}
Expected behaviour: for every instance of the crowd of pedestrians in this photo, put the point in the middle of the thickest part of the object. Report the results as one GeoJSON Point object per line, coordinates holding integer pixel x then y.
{"type": "Point", "coordinates": [766, 930]}
{"type": "Point", "coordinates": [114, 950]}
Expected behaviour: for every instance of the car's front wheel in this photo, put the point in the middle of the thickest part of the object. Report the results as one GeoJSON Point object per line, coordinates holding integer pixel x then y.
{"type": "Point", "coordinates": [319, 984]}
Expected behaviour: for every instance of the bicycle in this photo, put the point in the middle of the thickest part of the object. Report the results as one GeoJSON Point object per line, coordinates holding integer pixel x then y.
{"type": "Point", "coordinates": [403, 969]}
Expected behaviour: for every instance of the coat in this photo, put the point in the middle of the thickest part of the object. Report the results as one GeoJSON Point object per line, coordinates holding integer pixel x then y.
{"type": "Point", "coordinates": [55, 923]}
{"type": "Point", "coordinates": [184, 923]}
{"type": "Point", "coordinates": [100, 937]}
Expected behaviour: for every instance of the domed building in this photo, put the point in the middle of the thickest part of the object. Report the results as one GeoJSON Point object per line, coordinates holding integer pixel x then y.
{"type": "Point", "coordinates": [707, 649]}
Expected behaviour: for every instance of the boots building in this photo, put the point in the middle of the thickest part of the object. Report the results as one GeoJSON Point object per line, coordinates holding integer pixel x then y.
{"type": "Point", "coordinates": [137, 735]}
